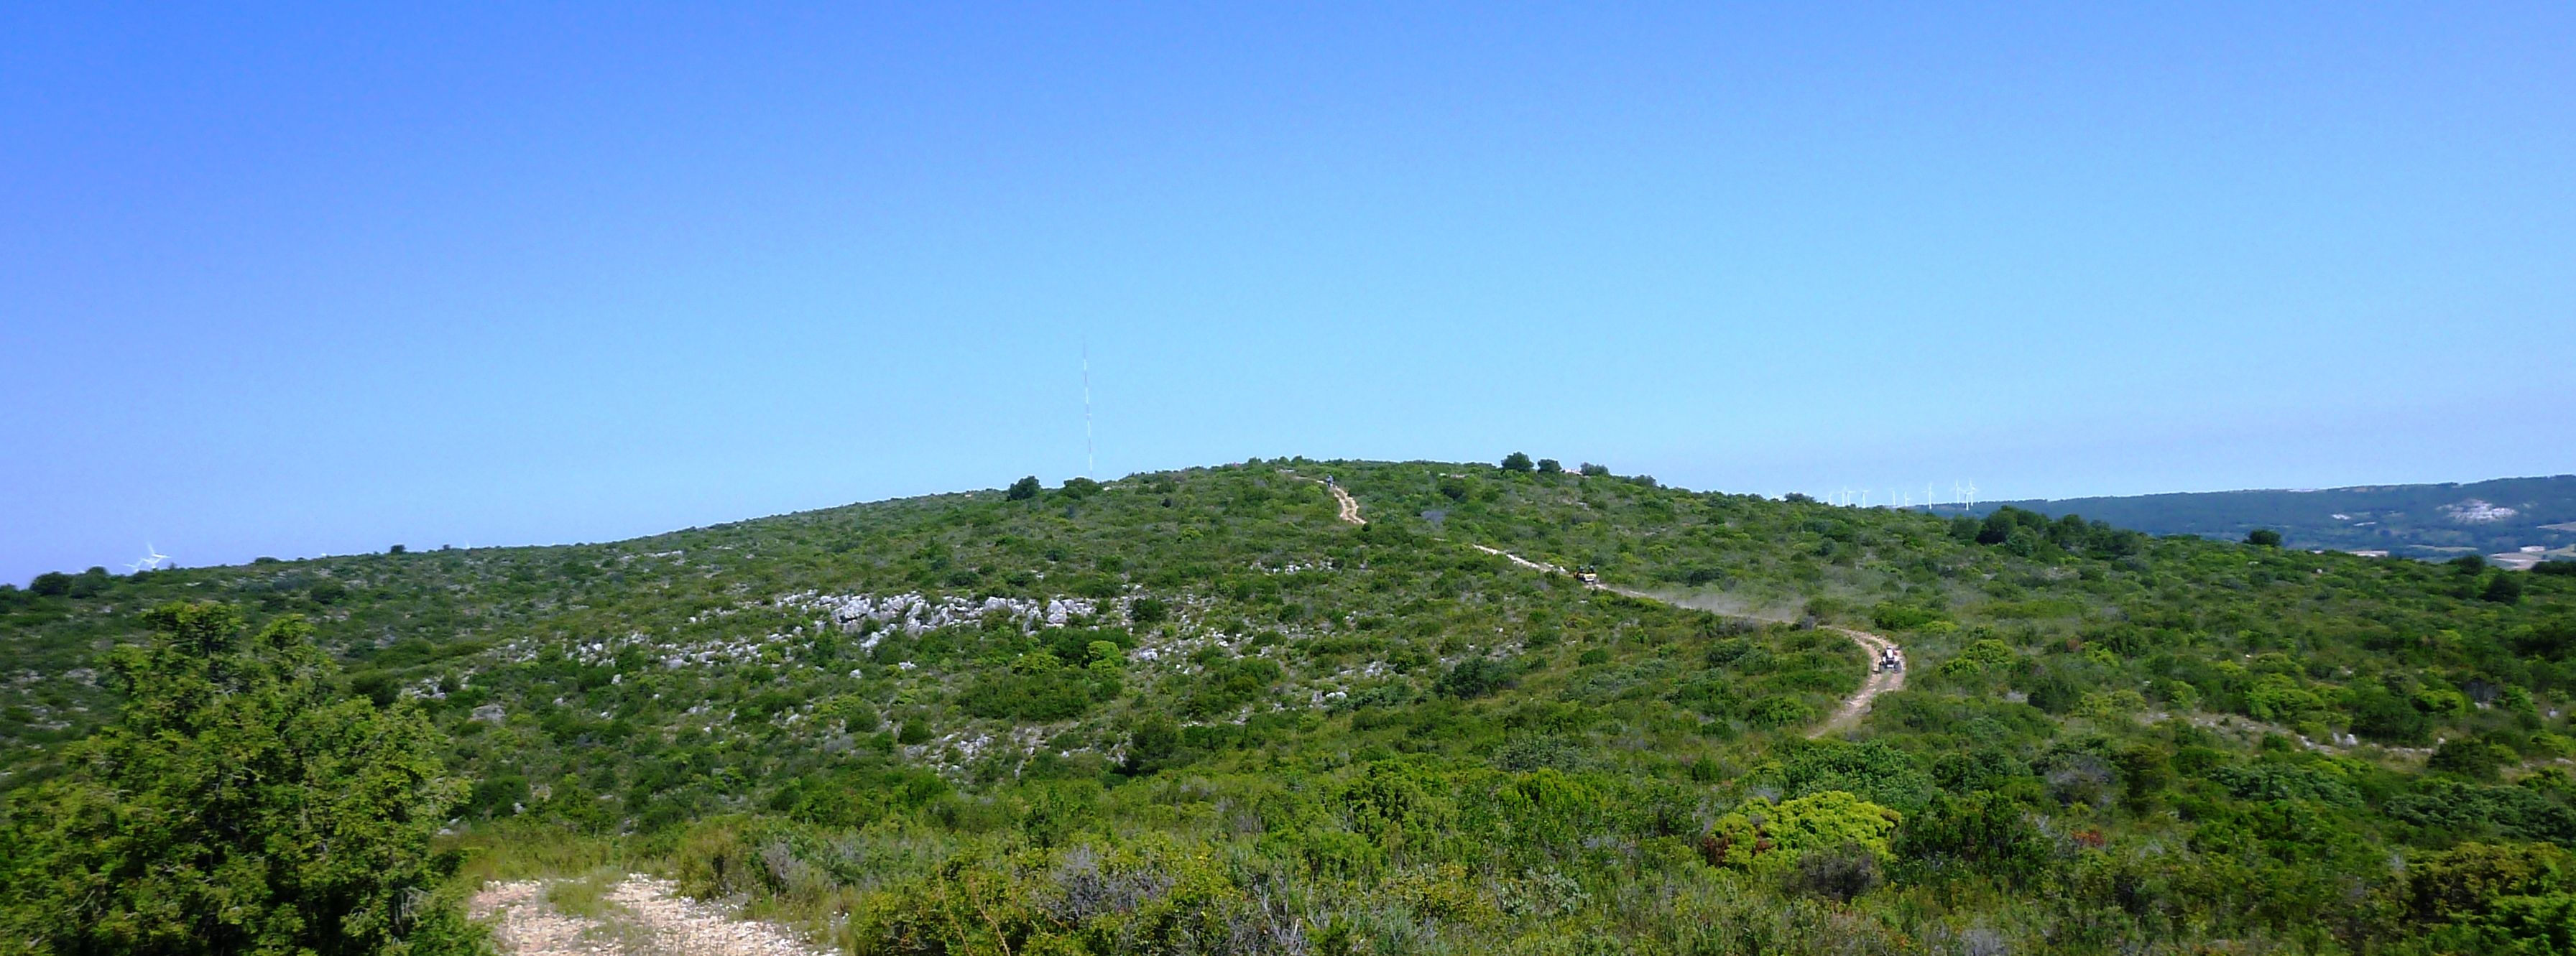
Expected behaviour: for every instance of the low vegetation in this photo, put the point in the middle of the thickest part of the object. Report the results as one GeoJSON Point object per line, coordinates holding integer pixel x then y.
{"type": "Point", "coordinates": [1192, 711]}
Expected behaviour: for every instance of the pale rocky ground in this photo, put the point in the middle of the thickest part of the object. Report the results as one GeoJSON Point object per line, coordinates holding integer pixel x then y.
{"type": "Point", "coordinates": [642, 916]}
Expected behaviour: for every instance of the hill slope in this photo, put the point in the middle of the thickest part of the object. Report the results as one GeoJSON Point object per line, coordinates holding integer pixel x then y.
{"type": "Point", "coordinates": [1197, 710]}
{"type": "Point", "coordinates": [2425, 521]}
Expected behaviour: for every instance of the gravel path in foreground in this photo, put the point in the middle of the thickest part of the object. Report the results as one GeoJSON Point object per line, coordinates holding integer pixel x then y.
{"type": "Point", "coordinates": [644, 917]}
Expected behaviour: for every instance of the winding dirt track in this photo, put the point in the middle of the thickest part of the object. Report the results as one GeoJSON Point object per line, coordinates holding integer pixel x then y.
{"type": "Point", "coordinates": [1350, 505]}
{"type": "Point", "coordinates": [1844, 717]}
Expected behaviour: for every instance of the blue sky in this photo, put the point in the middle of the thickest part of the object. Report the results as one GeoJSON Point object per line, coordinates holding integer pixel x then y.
{"type": "Point", "coordinates": [287, 280]}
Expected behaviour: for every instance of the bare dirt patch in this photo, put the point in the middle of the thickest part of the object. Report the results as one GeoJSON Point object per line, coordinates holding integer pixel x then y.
{"type": "Point", "coordinates": [639, 916]}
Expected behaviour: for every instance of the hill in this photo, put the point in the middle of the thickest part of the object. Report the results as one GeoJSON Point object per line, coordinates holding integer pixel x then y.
{"type": "Point", "coordinates": [1198, 710]}
{"type": "Point", "coordinates": [2499, 517]}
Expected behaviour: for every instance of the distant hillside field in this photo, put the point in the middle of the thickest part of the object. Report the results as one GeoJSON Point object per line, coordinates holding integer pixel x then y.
{"type": "Point", "coordinates": [2501, 516]}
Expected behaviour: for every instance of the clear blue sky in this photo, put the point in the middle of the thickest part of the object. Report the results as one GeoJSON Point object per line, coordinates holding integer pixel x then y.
{"type": "Point", "coordinates": [291, 279]}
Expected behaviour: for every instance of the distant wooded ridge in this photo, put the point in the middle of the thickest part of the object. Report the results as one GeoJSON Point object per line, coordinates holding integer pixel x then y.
{"type": "Point", "coordinates": [2503, 516]}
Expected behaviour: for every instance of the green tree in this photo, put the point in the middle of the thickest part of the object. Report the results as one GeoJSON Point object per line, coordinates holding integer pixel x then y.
{"type": "Point", "coordinates": [2502, 588]}
{"type": "Point", "coordinates": [1023, 489]}
{"type": "Point", "coordinates": [1550, 466]}
{"type": "Point", "coordinates": [1516, 461]}
{"type": "Point", "coordinates": [1152, 744]}
{"type": "Point", "coordinates": [1980, 833]}
{"type": "Point", "coordinates": [1474, 677]}
{"type": "Point", "coordinates": [236, 806]}
{"type": "Point", "coordinates": [2263, 538]}
{"type": "Point", "coordinates": [2471, 758]}
{"type": "Point", "coordinates": [51, 584]}
{"type": "Point", "coordinates": [90, 583]}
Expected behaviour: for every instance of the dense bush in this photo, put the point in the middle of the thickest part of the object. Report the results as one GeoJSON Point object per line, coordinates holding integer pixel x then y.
{"type": "Point", "coordinates": [235, 806]}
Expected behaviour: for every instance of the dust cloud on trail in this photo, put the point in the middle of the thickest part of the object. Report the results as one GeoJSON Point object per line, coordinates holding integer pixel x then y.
{"type": "Point", "coordinates": [1845, 717]}
{"type": "Point", "coordinates": [1720, 605]}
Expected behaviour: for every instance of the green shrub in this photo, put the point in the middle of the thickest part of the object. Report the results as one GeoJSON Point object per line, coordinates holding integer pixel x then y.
{"type": "Point", "coordinates": [1769, 837]}
{"type": "Point", "coordinates": [1981, 833]}
{"type": "Point", "coordinates": [235, 806]}
{"type": "Point", "coordinates": [1475, 677]}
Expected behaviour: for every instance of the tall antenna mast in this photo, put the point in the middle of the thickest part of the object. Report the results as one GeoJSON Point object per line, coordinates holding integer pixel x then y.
{"type": "Point", "coordinates": [1087, 456]}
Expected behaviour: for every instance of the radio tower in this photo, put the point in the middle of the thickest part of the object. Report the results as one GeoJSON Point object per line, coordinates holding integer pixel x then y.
{"type": "Point", "coordinates": [1087, 456]}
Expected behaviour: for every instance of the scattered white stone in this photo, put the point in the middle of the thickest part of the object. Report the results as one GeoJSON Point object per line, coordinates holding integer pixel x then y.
{"type": "Point", "coordinates": [646, 915]}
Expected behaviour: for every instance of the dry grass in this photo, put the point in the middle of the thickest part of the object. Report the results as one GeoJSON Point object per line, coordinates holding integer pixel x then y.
{"type": "Point", "coordinates": [585, 895]}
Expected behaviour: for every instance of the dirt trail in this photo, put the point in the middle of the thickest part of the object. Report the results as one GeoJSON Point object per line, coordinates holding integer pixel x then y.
{"type": "Point", "coordinates": [1844, 717]}
{"type": "Point", "coordinates": [642, 916]}
{"type": "Point", "coordinates": [1849, 714]}
{"type": "Point", "coordinates": [1350, 506]}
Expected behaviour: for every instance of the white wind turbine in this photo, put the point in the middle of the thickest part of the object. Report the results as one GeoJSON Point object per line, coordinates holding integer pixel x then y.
{"type": "Point", "coordinates": [152, 558]}
{"type": "Point", "coordinates": [1972, 494]}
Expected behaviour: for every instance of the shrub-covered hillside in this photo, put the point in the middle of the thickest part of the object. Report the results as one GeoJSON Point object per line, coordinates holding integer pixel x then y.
{"type": "Point", "coordinates": [2431, 521]}
{"type": "Point", "coordinates": [1194, 711]}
